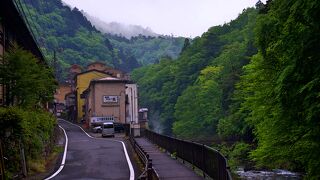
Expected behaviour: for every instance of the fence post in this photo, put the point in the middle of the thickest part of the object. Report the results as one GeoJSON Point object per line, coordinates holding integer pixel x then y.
{"type": "Point", "coordinates": [23, 159]}
{"type": "Point", "coordinates": [149, 170]}
{"type": "Point", "coordinates": [177, 150]}
{"type": "Point", "coordinates": [203, 162]}
{"type": "Point", "coordinates": [183, 150]}
{"type": "Point", "coordinates": [192, 150]}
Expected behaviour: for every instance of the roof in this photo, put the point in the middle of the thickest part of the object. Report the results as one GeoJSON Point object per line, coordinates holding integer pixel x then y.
{"type": "Point", "coordinates": [70, 93]}
{"type": "Point", "coordinates": [75, 65]}
{"type": "Point", "coordinates": [85, 72]}
{"type": "Point", "coordinates": [143, 110]}
{"type": "Point", "coordinates": [14, 23]}
{"type": "Point", "coordinates": [96, 62]}
{"type": "Point", "coordinates": [108, 80]}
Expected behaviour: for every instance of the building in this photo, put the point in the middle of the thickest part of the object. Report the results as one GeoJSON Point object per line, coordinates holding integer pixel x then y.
{"type": "Point", "coordinates": [14, 30]}
{"type": "Point", "coordinates": [143, 118]}
{"type": "Point", "coordinates": [105, 99]}
{"type": "Point", "coordinates": [132, 104]}
{"type": "Point", "coordinates": [109, 70]}
{"type": "Point", "coordinates": [71, 109]}
{"type": "Point", "coordinates": [61, 92]}
{"type": "Point", "coordinates": [97, 66]}
{"type": "Point", "coordinates": [73, 71]}
{"type": "Point", "coordinates": [82, 81]}
{"type": "Point", "coordinates": [59, 98]}
{"type": "Point", "coordinates": [112, 99]}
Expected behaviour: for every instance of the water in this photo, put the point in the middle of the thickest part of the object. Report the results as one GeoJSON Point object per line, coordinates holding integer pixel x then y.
{"type": "Point", "coordinates": [277, 174]}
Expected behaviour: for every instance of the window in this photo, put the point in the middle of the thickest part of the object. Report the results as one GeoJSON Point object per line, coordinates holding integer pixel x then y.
{"type": "Point", "coordinates": [108, 126]}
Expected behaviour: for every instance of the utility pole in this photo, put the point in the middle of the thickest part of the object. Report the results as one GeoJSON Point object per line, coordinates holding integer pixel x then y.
{"type": "Point", "coordinates": [54, 66]}
{"type": "Point", "coordinates": [54, 63]}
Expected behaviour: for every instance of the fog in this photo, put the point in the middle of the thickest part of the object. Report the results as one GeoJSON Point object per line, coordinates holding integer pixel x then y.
{"type": "Point", "coordinates": [124, 30]}
{"type": "Point", "coordinates": [178, 17]}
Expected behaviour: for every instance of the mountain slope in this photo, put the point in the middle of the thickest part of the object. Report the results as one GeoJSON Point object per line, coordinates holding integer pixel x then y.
{"type": "Point", "coordinates": [71, 35]}
{"type": "Point", "coordinates": [147, 49]}
{"type": "Point", "coordinates": [189, 95]}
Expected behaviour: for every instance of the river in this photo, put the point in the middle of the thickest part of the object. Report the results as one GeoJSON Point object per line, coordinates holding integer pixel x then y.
{"type": "Point", "coordinates": [277, 174]}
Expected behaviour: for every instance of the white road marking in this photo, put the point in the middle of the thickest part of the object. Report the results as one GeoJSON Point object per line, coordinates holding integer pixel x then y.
{"type": "Point", "coordinates": [123, 145]}
{"type": "Point", "coordinates": [63, 158]}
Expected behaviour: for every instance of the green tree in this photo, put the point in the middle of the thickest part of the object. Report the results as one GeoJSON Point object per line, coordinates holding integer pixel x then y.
{"type": "Point", "coordinates": [281, 87]}
{"type": "Point", "coordinates": [198, 109]}
{"type": "Point", "coordinates": [27, 81]}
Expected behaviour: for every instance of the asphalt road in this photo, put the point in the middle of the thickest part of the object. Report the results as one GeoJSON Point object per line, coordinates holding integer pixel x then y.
{"type": "Point", "coordinates": [92, 158]}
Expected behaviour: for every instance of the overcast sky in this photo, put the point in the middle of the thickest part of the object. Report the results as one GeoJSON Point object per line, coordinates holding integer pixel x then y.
{"type": "Point", "coordinates": [178, 17]}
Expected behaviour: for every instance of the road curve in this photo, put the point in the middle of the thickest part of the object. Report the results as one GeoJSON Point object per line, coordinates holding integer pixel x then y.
{"type": "Point", "coordinates": [92, 158]}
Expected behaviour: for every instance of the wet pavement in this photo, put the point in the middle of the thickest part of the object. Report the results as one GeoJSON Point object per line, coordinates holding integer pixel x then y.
{"type": "Point", "coordinates": [165, 166]}
{"type": "Point", "coordinates": [92, 158]}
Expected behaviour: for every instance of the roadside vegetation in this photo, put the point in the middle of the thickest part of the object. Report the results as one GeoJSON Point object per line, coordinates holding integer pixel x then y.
{"type": "Point", "coordinates": [253, 81]}
{"type": "Point", "coordinates": [27, 129]}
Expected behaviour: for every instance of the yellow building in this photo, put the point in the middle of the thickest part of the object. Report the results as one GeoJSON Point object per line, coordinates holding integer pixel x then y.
{"type": "Point", "coordinates": [82, 83]}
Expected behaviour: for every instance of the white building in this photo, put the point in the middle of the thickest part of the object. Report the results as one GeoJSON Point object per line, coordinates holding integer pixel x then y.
{"type": "Point", "coordinates": [132, 104]}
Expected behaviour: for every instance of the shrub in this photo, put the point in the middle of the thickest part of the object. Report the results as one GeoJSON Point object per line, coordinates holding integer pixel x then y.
{"type": "Point", "coordinates": [31, 129]}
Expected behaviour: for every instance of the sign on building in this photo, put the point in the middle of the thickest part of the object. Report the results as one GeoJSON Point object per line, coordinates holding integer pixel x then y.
{"type": "Point", "coordinates": [110, 99]}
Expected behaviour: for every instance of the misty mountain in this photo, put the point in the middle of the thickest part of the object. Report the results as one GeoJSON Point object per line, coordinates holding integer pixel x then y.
{"type": "Point", "coordinates": [67, 31]}
{"type": "Point", "coordinates": [120, 29]}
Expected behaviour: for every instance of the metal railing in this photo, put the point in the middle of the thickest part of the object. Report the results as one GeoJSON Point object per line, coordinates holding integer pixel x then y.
{"type": "Point", "coordinates": [148, 173]}
{"type": "Point", "coordinates": [207, 159]}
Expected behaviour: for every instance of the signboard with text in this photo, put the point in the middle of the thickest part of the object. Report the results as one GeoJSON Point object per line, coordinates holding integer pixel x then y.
{"type": "Point", "coordinates": [110, 99]}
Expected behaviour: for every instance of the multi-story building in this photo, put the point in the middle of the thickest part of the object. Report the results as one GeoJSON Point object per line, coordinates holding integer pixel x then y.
{"type": "Point", "coordinates": [59, 97]}
{"type": "Point", "coordinates": [62, 90]}
{"type": "Point", "coordinates": [109, 70]}
{"type": "Point", "coordinates": [105, 99]}
{"type": "Point", "coordinates": [82, 81]}
{"type": "Point", "coordinates": [132, 104]}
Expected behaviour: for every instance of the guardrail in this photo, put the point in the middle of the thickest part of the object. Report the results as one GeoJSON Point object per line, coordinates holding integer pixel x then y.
{"type": "Point", "coordinates": [148, 173]}
{"type": "Point", "coordinates": [208, 160]}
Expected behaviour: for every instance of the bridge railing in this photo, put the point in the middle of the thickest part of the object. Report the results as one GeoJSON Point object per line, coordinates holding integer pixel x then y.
{"type": "Point", "coordinates": [210, 161]}
{"type": "Point", "coordinates": [148, 173]}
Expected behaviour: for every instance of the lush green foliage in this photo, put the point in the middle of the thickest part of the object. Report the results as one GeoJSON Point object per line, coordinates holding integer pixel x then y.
{"type": "Point", "coordinates": [280, 89]}
{"type": "Point", "coordinates": [148, 50]}
{"type": "Point", "coordinates": [66, 31]}
{"type": "Point", "coordinates": [31, 130]}
{"type": "Point", "coordinates": [27, 81]}
{"type": "Point", "coordinates": [29, 84]}
{"type": "Point", "coordinates": [195, 90]}
{"type": "Point", "coordinates": [212, 89]}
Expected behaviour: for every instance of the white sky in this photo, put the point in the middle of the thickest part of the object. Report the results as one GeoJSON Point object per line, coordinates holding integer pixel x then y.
{"type": "Point", "coordinates": [178, 17]}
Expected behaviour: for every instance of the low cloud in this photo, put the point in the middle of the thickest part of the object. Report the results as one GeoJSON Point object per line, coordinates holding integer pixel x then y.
{"type": "Point", "coordinates": [120, 29]}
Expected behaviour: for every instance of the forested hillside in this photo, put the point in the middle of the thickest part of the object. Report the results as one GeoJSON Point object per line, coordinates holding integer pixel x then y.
{"type": "Point", "coordinates": [67, 31]}
{"type": "Point", "coordinates": [148, 49]}
{"type": "Point", "coordinates": [192, 93]}
{"type": "Point", "coordinates": [254, 80]}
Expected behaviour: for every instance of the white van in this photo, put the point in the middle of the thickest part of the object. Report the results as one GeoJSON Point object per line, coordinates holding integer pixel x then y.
{"type": "Point", "coordinates": [107, 129]}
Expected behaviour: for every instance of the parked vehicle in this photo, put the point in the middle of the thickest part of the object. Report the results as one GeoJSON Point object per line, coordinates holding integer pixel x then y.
{"type": "Point", "coordinates": [108, 129]}
{"type": "Point", "coordinates": [97, 129]}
